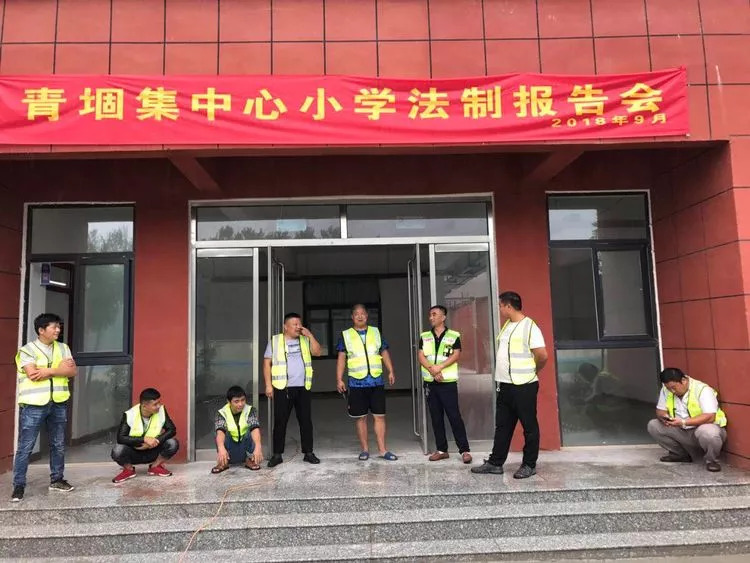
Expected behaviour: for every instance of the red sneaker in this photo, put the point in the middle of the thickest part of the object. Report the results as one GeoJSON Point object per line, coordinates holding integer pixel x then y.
{"type": "Point", "coordinates": [124, 475]}
{"type": "Point", "coordinates": [159, 471]}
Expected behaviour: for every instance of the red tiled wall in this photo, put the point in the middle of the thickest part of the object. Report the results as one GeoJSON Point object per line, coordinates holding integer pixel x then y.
{"type": "Point", "coordinates": [701, 230]}
{"type": "Point", "coordinates": [11, 217]}
{"type": "Point", "coordinates": [415, 38]}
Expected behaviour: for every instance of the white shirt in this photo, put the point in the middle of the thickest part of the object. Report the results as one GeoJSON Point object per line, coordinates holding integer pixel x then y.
{"type": "Point", "coordinates": [502, 364]}
{"type": "Point", "coordinates": [707, 400]}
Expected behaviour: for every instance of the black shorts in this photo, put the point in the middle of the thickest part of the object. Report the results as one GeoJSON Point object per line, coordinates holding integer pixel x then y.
{"type": "Point", "coordinates": [366, 399]}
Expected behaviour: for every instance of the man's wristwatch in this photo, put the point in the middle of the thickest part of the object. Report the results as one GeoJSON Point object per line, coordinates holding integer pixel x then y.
{"type": "Point", "coordinates": [683, 423]}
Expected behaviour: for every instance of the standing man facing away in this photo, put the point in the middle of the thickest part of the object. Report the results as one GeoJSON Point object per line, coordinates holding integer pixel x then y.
{"type": "Point", "coordinates": [237, 433]}
{"type": "Point", "coordinates": [362, 351]}
{"type": "Point", "coordinates": [439, 351]}
{"type": "Point", "coordinates": [288, 372]}
{"type": "Point", "coordinates": [520, 356]}
{"type": "Point", "coordinates": [43, 368]}
{"type": "Point", "coordinates": [689, 423]}
{"type": "Point", "coordinates": [146, 435]}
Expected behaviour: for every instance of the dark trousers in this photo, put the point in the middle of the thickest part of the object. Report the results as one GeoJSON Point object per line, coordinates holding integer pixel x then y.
{"type": "Point", "coordinates": [514, 403]}
{"type": "Point", "coordinates": [239, 451]}
{"type": "Point", "coordinates": [284, 400]}
{"type": "Point", "coordinates": [442, 399]}
{"type": "Point", "coordinates": [125, 455]}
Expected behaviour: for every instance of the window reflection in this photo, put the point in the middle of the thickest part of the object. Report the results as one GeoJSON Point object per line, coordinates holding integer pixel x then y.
{"type": "Point", "coordinates": [607, 396]}
{"type": "Point", "coordinates": [269, 222]}
{"type": "Point", "coordinates": [86, 229]}
{"type": "Point", "coordinates": [598, 217]}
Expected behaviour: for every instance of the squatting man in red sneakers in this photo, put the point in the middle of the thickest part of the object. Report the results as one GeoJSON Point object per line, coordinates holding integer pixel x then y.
{"type": "Point", "coordinates": [146, 435]}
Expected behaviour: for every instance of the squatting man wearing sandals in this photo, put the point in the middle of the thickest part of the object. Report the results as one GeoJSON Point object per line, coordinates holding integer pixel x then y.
{"type": "Point", "coordinates": [237, 433]}
{"type": "Point", "coordinates": [689, 423]}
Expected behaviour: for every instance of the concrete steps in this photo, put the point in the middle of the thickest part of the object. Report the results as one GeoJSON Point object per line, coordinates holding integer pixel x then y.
{"type": "Point", "coordinates": [508, 523]}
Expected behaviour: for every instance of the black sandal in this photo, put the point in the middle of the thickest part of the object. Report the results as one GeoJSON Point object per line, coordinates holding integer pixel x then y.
{"type": "Point", "coordinates": [218, 469]}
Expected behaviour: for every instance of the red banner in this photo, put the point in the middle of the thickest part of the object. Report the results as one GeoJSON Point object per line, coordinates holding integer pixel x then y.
{"type": "Point", "coordinates": [338, 110]}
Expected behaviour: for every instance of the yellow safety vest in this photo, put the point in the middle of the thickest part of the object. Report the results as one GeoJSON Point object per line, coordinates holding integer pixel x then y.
{"type": "Point", "coordinates": [39, 393]}
{"type": "Point", "coordinates": [279, 352]}
{"type": "Point", "coordinates": [362, 357]}
{"type": "Point", "coordinates": [520, 359]}
{"type": "Point", "coordinates": [236, 433]}
{"type": "Point", "coordinates": [693, 404]}
{"type": "Point", "coordinates": [443, 353]}
{"type": "Point", "coordinates": [155, 423]}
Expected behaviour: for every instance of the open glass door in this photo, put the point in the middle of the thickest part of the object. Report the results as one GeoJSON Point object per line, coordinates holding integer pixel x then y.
{"type": "Point", "coordinates": [276, 278]}
{"type": "Point", "coordinates": [226, 335]}
{"type": "Point", "coordinates": [460, 280]}
{"type": "Point", "coordinates": [419, 403]}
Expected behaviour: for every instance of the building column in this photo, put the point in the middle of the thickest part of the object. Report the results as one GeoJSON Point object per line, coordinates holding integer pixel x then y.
{"type": "Point", "coordinates": [161, 287]}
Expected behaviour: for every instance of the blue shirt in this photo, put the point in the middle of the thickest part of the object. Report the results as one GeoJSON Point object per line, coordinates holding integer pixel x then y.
{"type": "Point", "coordinates": [368, 380]}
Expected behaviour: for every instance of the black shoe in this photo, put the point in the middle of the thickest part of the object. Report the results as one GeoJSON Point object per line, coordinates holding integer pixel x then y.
{"type": "Point", "coordinates": [275, 460]}
{"type": "Point", "coordinates": [17, 495]}
{"type": "Point", "coordinates": [672, 458]}
{"type": "Point", "coordinates": [712, 466]}
{"type": "Point", "coordinates": [311, 458]}
{"type": "Point", "coordinates": [61, 486]}
{"type": "Point", "coordinates": [488, 467]}
{"type": "Point", "coordinates": [524, 472]}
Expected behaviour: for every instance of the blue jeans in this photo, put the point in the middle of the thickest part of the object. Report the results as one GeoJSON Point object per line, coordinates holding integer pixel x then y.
{"type": "Point", "coordinates": [30, 420]}
{"type": "Point", "coordinates": [239, 451]}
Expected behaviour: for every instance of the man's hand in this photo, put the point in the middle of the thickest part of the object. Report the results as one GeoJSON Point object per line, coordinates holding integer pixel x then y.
{"type": "Point", "coordinates": [222, 457]}
{"type": "Point", "coordinates": [150, 442]}
{"type": "Point", "coordinates": [35, 374]}
{"type": "Point", "coordinates": [269, 391]}
{"type": "Point", "coordinates": [674, 423]}
{"type": "Point", "coordinates": [434, 369]}
{"type": "Point", "coordinates": [305, 332]}
{"type": "Point", "coordinates": [438, 376]}
{"type": "Point", "coordinates": [340, 386]}
{"type": "Point", "coordinates": [258, 455]}
{"type": "Point", "coordinates": [391, 379]}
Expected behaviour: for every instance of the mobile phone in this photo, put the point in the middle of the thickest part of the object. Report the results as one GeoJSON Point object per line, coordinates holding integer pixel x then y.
{"type": "Point", "coordinates": [666, 418]}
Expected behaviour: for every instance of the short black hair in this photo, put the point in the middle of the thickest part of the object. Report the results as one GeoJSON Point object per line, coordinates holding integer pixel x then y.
{"type": "Point", "coordinates": [671, 374]}
{"type": "Point", "coordinates": [44, 320]}
{"type": "Point", "coordinates": [235, 392]}
{"type": "Point", "coordinates": [358, 306]}
{"type": "Point", "coordinates": [443, 309]}
{"type": "Point", "coordinates": [291, 316]}
{"type": "Point", "coordinates": [511, 298]}
{"type": "Point", "coordinates": [149, 394]}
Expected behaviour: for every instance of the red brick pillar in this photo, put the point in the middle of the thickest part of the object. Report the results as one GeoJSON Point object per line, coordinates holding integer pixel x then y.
{"type": "Point", "coordinates": [161, 340]}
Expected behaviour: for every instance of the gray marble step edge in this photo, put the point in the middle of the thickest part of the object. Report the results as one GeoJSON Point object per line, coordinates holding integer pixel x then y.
{"type": "Point", "coordinates": [476, 522]}
{"type": "Point", "coordinates": [573, 546]}
{"type": "Point", "coordinates": [18, 514]}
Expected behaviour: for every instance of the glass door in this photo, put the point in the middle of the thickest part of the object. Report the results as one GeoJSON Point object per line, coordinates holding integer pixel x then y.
{"type": "Point", "coordinates": [460, 280]}
{"type": "Point", "coordinates": [226, 336]}
{"type": "Point", "coordinates": [419, 403]}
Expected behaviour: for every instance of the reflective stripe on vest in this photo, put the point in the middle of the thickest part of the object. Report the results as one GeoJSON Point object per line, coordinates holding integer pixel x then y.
{"type": "Point", "coordinates": [360, 355]}
{"type": "Point", "coordinates": [236, 433]}
{"type": "Point", "coordinates": [39, 393]}
{"type": "Point", "coordinates": [279, 351]}
{"type": "Point", "coordinates": [520, 359]}
{"type": "Point", "coordinates": [444, 351]}
{"type": "Point", "coordinates": [135, 421]}
{"type": "Point", "coordinates": [695, 389]}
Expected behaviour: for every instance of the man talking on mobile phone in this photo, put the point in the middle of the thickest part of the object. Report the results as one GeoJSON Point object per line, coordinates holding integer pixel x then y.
{"type": "Point", "coordinates": [689, 423]}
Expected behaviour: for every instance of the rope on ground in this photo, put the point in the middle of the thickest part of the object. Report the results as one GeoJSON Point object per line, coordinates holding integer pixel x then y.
{"type": "Point", "coordinates": [263, 479]}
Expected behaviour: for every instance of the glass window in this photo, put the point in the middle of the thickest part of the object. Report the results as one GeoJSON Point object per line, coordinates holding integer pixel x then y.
{"type": "Point", "coordinates": [573, 294]}
{"type": "Point", "coordinates": [607, 396]}
{"type": "Point", "coordinates": [81, 230]}
{"type": "Point", "coordinates": [598, 217]}
{"type": "Point", "coordinates": [623, 300]}
{"type": "Point", "coordinates": [269, 222]}
{"type": "Point", "coordinates": [103, 308]}
{"type": "Point", "coordinates": [416, 219]}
